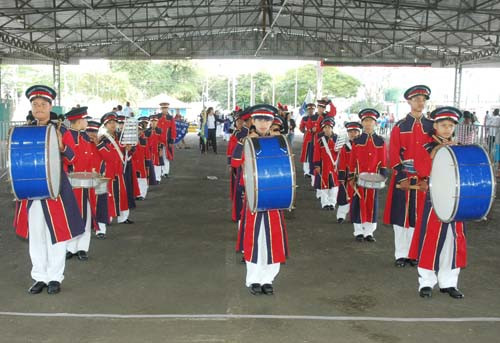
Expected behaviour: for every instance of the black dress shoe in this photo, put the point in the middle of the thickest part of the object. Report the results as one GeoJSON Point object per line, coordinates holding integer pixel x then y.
{"type": "Point", "coordinates": [400, 262]}
{"type": "Point", "coordinates": [37, 287]}
{"type": "Point", "coordinates": [267, 289]}
{"type": "Point", "coordinates": [411, 262]}
{"type": "Point", "coordinates": [139, 198]}
{"type": "Point", "coordinates": [242, 261]}
{"type": "Point", "coordinates": [326, 208]}
{"type": "Point", "coordinates": [331, 207]}
{"type": "Point", "coordinates": [359, 238]}
{"type": "Point", "coordinates": [340, 220]}
{"type": "Point", "coordinates": [453, 292]}
{"type": "Point", "coordinates": [255, 289]}
{"type": "Point", "coordinates": [82, 255]}
{"type": "Point", "coordinates": [370, 238]}
{"type": "Point", "coordinates": [425, 292]}
{"type": "Point", "coordinates": [101, 236]}
{"type": "Point", "coordinates": [54, 287]}
{"type": "Point", "coordinates": [69, 255]}
{"type": "Point", "coordinates": [128, 221]}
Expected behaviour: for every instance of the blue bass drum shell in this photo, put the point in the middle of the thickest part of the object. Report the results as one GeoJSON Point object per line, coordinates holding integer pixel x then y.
{"type": "Point", "coordinates": [462, 183]}
{"type": "Point", "coordinates": [34, 162]}
{"type": "Point", "coordinates": [269, 174]}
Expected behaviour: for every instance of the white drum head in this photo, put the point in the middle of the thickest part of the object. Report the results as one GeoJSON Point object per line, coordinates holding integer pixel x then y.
{"type": "Point", "coordinates": [53, 162]}
{"type": "Point", "coordinates": [250, 174]}
{"type": "Point", "coordinates": [443, 184]}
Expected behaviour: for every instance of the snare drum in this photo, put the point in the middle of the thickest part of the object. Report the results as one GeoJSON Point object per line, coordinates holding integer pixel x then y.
{"type": "Point", "coordinates": [269, 174]}
{"type": "Point", "coordinates": [34, 162]}
{"type": "Point", "coordinates": [371, 180]}
{"type": "Point", "coordinates": [88, 180]}
{"type": "Point", "coordinates": [462, 183]}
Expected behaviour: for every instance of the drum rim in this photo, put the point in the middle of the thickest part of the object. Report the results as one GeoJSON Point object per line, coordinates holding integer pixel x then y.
{"type": "Point", "coordinates": [380, 183]}
{"type": "Point", "coordinates": [12, 129]}
{"type": "Point", "coordinates": [292, 167]}
{"type": "Point", "coordinates": [457, 187]}
{"type": "Point", "coordinates": [253, 206]}
{"type": "Point", "coordinates": [50, 130]}
{"type": "Point", "coordinates": [493, 180]}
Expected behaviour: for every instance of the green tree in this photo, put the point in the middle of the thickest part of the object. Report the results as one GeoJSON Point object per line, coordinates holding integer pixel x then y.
{"type": "Point", "coordinates": [335, 84]}
{"type": "Point", "coordinates": [178, 78]}
{"type": "Point", "coordinates": [393, 94]}
{"type": "Point", "coordinates": [367, 103]}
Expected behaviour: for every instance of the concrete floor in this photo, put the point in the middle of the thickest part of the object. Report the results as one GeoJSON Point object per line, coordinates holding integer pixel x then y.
{"type": "Point", "coordinates": [178, 258]}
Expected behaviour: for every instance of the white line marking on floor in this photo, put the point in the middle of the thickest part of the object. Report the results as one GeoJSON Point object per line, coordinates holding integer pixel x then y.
{"type": "Point", "coordinates": [249, 316]}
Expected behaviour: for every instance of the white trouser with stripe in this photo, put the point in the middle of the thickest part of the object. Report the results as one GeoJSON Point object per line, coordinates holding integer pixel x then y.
{"type": "Point", "coordinates": [402, 241]}
{"type": "Point", "coordinates": [143, 186]}
{"type": "Point", "coordinates": [82, 242]}
{"type": "Point", "coordinates": [261, 272]}
{"type": "Point", "coordinates": [165, 168]}
{"type": "Point", "coordinates": [123, 216]}
{"type": "Point", "coordinates": [329, 196]}
{"type": "Point", "coordinates": [158, 173]}
{"type": "Point", "coordinates": [342, 211]}
{"type": "Point", "coordinates": [365, 229]}
{"type": "Point", "coordinates": [48, 259]}
{"type": "Point", "coordinates": [446, 276]}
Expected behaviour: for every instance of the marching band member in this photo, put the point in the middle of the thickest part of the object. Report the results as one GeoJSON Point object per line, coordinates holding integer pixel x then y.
{"type": "Point", "coordinates": [99, 203]}
{"type": "Point", "coordinates": [265, 237]}
{"type": "Point", "coordinates": [154, 134]}
{"type": "Point", "coordinates": [139, 159]}
{"type": "Point", "coordinates": [346, 192]}
{"type": "Point", "coordinates": [48, 223]}
{"type": "Point", "coordinates": [81, 145]}
{"type": "Point", "coordinates": [309, 126]}
{"type": "Point", "coordinates": [167, 124]}
{"type": "Point", "coordinates": [324, 160]}
{"type": "Point", "coordinates": [234, 175]}
{"type": "Point", "coordinates": [368, 155]}
{"type": "Point", "coordinates": [239, 204]}
{"type": "Point", "coordinates": [111, 153]}
{"type": "Point", "coordinates": [440, 248]}
{"type": "Point", "coordinates": [403, 198]}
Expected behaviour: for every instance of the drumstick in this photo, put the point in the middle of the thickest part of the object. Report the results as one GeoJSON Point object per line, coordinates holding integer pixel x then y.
{"type": "Point", "coordinates": [414, 187]}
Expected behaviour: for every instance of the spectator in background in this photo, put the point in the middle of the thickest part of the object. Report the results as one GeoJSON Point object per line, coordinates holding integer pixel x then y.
{"type": "Point", "coordinates": [212, 120]}
{"type": "Point", "coordinates": [492, 122]}
{"type": "Point", "coordinates": [466, 131]}
{"type": "Point", "coordinates": [119, 110]}
{"type": "Point", "coordinates": [227, 129]}
{"type": "Point", "coordinates": [291, 127]}
{"type": "Point", "coordinates": [127, 111]}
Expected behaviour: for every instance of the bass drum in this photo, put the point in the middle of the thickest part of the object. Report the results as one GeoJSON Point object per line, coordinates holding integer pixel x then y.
{"type": "Point", "coordinates": [34, 162]}
{"type": "Point", "coordinates": [269, 174]}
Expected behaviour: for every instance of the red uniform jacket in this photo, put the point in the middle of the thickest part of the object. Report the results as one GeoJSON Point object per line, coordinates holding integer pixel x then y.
{"type": "Point", "coordinates": [61, 215]}
{"type": "Point", "coordinates": [368, 155]}
{"type": "Point", "coordinates": [117, 200]}
{"type": "Point", "coordinates": [306, 125]}
{"type": "Point", "coordinates": [169, 131]}
{"type": "Point", "coordinates": [430, 232]}
{"type": "Point", "coordinates": [402, 207]}
{"type": "Point", "coordinates": [155, 145]}
{"type": "Point", "coordinates": [140, 156]}
{"type": "Point", "coordinates": [345, 189]}
{"type": "Point", "coordinates": [329, 175]}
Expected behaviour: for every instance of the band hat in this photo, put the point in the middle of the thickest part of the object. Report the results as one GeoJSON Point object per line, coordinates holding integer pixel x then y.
{"type": "Point", "coordinates": [353, 125]}
{"type": "Point", "coordinates": [368, 113]}
{"type": "Point", "coordinates": [417, 90]}
{"type": "Point", "coordinates": [262, 111]}
{"type": "Point", "coordinates": [40, 91]}
{"type": "Point", "coordinates": [93, 126]}
{"type": "Point", "coordinates": [328, 121]}
{"type": "Point", "coordinates": [447, 112]}
{"type": "Point", "coordinates": [164, 104]}
{"type": "Point", "coordinates": [278, 121]}
{"type": "Point", "coordinates": [322, 103]}
{"type": "Point", "coordinates": [108, 117]}
{"type": "Point", "coordinates": [77, 113]}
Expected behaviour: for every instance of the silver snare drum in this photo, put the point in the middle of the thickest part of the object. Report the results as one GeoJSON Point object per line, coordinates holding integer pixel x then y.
{"type": "Point", "coordinates": [371, 180]}
{"type": "Point", "coordinates": [88, 180]}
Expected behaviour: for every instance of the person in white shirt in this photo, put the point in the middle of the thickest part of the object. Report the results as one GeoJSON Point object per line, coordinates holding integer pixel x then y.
{"type": "Point", "coordinates": [212, 121]}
